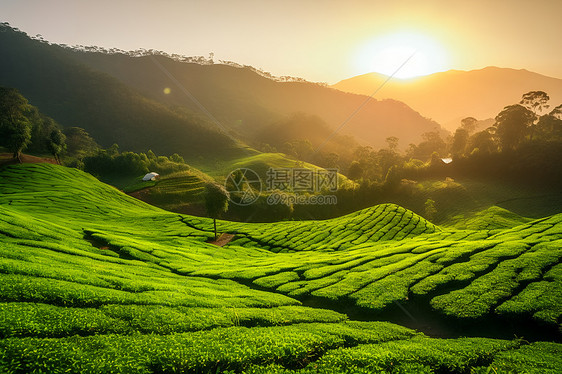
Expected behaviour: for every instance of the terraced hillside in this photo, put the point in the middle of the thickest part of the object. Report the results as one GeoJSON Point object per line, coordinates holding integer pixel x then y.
{"type": "Point", "coordinates": [93, 281]}
{"type": "Point", "coordinates": [475, 276]}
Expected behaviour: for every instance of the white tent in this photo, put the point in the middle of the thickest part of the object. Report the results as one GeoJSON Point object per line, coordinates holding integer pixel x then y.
{"type": "Point", "coordinates": [151, 176]}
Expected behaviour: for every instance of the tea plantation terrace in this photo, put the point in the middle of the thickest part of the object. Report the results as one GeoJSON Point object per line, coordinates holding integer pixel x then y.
{"type": "Point", "coordinates": [92, 280]}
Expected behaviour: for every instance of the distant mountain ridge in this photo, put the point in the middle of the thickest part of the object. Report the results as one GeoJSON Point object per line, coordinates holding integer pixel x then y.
{"type": "Point", "coordinates": [449, 96]}
{"type": "Point", "coordinates": [245, 101]}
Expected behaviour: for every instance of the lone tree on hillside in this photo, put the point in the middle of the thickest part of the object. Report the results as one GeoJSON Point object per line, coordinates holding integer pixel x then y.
{"type": "Point", "coordinates": [216, 202]}
{"type": "Point", "coordinates": [56, 143]}
{"type": "Point", "coordinates": [15, 129]}
{"type": "Point", "coordinates": [16, 136]}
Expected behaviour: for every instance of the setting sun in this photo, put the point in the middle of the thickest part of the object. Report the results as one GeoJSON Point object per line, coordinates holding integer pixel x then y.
{"type": "Point", "coordinates": [385, 55]}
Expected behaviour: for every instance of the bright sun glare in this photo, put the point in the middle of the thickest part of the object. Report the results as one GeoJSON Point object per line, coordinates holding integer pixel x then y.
{"type": "Point", "coordinates": [387, 53]}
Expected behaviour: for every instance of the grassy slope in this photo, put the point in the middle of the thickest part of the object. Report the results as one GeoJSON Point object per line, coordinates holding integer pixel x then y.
{"type": "Point", "coordinates": [93, 281]}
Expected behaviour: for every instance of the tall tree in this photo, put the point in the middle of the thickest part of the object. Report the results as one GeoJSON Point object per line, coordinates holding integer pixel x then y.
{"type": "Point", "coordinates": [469, 124]}
{"type": "Point", "coordinates": [392, 142]}
{"type": "Point", "coordinates": [549, 126]}
{"type": "Point", "coordinates": [56, 143]}
{"type": "Point", "coordinates": [355, 171]}
{"type": "Point", "coordinates": [512, 124]}
{"type": "Point", "coordinates": [15, 128]}
{"type": "Point", "coordinates": [483, 142]}
{"type": "Point", "coordinates": [216, 202]}
{"type": "Point", "coordinates": [79, 143]}
{"type": "Point", "coordinates": [387, 157]}
{"type": "Point", "coordinates": [536, 102]}
{"type": "Point", "coordinates": [13, 105]}
{"type": "Point", "coordinates": [460, 141]}
{"type": "Point", "coordinates": [16, 137]}
{"type": "Point", "coordinates": [432, 142]}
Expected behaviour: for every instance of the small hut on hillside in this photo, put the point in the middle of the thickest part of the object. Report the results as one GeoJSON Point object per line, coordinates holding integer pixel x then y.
{"type": "Point", "coordinates": [152, 176]}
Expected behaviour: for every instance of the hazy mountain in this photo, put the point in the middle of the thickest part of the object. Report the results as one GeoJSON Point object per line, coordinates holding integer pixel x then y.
{"type": "Point", "coordinates": [246, 102]}
{"type": "Point", "coordinates": [449, 96]}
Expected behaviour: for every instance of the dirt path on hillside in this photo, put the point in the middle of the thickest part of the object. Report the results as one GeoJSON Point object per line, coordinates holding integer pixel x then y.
{"type": "Point", "coordinates": [7, 159]}
{"type": "Point", "coordinates": [222, 240]}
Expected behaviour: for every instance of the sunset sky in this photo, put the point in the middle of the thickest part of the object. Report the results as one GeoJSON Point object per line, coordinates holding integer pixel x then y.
{"type": "Point", "coordinates": [323, 41]}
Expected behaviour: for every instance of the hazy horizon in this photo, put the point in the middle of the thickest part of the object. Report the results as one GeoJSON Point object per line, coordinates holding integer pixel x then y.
{"type": "Point", "coordinates": [324, 43]}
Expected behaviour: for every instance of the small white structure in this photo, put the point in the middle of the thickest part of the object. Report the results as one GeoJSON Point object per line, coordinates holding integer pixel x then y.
{"type": "Point", "coordinates": [447, 160]}
{"type": "Point", "coordinates": [152, 176]}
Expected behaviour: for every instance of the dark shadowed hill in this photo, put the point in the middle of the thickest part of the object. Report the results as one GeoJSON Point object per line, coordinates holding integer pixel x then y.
{"type": "Point", "coordinates": [452, 95]}
{"type": "Point", "coordinates": [112, 112]}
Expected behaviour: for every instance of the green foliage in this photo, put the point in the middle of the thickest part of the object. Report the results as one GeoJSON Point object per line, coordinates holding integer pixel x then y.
{"type": "Point", "coordinates": [79, 143]}
{"type": "Point", "coordinates": [16, 137]}
{"type": "Point", "coordinates": [56, 143]}
{"type": "Point", "coordinates": [15, 128]}
{"type": "Point", "coordinates": [216, 199]}
{"type": "Point", "coordinates": [432, 142]}
{"type": "Point", "coordinates": [419, 354]}
{"type": "Point", "coordinates": [535, 358]}
{"type": "Point", "coordinates": [218, 350]}
{"type": "Point", "coordinates": [22, 126]}
{"type": "Point", "coordinates": [109, 164]}
{"type": "Point", "coordinates": [512, 123]}
{"type": "Point", "coordinates": [355, 171]}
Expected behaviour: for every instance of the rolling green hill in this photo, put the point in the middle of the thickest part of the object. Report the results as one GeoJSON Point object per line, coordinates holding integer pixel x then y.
{"type": "Point", "coordinates": [94, 281]}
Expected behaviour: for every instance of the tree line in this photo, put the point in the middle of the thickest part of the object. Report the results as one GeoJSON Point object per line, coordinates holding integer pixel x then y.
{"type": "Point", "coordinates": [527, 129]}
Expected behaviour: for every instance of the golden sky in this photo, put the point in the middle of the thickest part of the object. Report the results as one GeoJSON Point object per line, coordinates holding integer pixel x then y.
{"type": "Point", "coordinates": [323, 41]}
